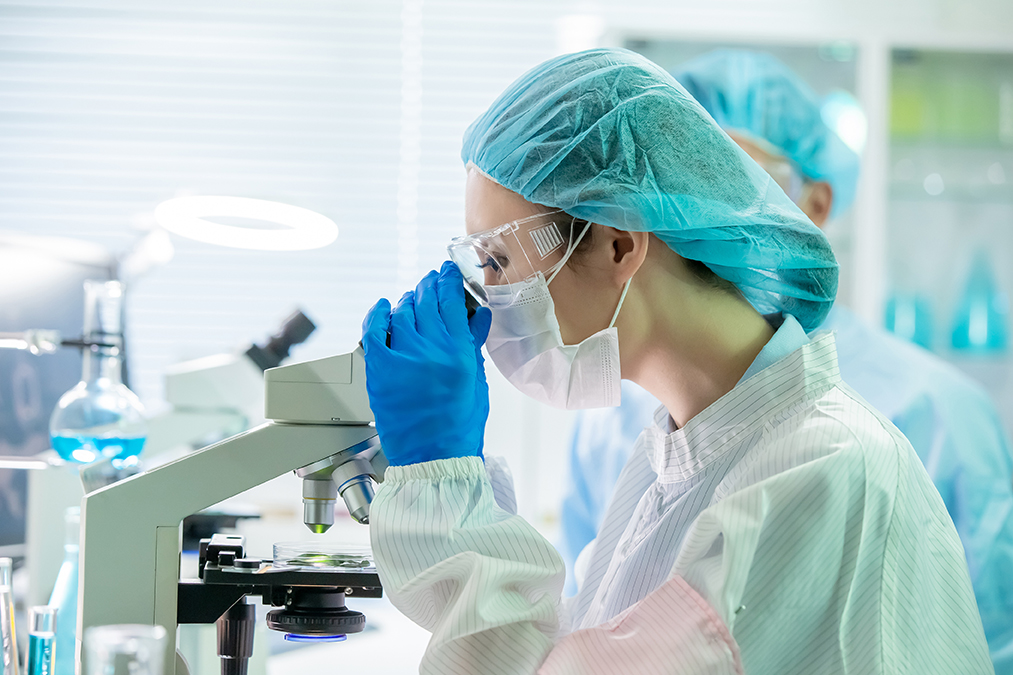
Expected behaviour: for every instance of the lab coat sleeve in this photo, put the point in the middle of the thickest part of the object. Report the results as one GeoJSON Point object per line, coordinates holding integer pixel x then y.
{"type": "Point", "coordinates": [502, 481]}
{"type": "Point", "coordinates": [488, 586]}
{"type": "Point", "coordinates": [672, 630]}
{"type": "Point", "coordinates": [482, 580]}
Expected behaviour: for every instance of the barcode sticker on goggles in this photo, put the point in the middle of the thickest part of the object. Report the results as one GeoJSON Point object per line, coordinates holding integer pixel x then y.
{"type": "Point", "coordinates": [546, 238]}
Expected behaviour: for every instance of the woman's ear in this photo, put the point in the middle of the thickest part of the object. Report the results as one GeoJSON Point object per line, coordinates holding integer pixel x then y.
{"type": "Point", "coordinates": [817, 203]}
{"type": "Point", "coordinates": [627, 250]}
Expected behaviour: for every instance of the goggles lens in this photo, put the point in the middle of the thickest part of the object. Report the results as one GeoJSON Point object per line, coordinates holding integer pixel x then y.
{"type": "Point", "coordinates": [513, 253]}
{"type": "Point", "coordinates": [786, 176]}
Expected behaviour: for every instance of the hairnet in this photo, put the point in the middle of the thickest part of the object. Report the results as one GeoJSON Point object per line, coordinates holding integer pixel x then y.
{"type": "Point", "coordinates": [756, 93]}
{"type": "Point", "coordinates": [610, 137]}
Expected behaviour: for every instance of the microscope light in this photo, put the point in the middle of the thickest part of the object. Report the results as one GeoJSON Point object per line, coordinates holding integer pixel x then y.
{"type": "Point", "coordinates": [292, 637]}
{"type": "Point", "coordinates": [301, 229]}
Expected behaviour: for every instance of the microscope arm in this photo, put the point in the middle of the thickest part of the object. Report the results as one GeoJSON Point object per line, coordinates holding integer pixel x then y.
{"type": "Point", "coordinates": [133, 527]}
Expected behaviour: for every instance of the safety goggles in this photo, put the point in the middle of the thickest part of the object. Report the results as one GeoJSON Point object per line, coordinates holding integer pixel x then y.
{"type": "Point", "coordinates": [784, 171]}
{"type": "Point", "coordinates": [785, 174]}
{"type": "Point", "coordinates": [513, 253]}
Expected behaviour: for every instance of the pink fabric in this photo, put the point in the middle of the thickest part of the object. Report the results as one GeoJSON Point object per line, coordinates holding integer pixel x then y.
{"type": "Point", "coordinates": [671, 631]}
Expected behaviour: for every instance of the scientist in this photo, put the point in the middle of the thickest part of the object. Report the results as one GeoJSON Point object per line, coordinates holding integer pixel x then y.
{"type": "Point", "coordinates": [768, 522]}
{"type": "Point", "coordinates": [949, 420]}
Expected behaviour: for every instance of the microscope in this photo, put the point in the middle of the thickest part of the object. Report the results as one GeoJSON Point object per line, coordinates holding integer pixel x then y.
{"type": "Point", "coordinates": [319, 426]}
{"type": "Point", "coordinates": [210, 398]}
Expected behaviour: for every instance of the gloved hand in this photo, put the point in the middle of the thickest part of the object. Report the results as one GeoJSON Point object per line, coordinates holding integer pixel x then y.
{"type": "Point", "coordinates": [427, 389]}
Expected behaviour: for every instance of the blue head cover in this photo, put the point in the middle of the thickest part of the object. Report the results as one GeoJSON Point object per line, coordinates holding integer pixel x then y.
{"type": "Point", "coordinates": [756, 93]}
{"type": "Point", "coordinates": [608, 136]}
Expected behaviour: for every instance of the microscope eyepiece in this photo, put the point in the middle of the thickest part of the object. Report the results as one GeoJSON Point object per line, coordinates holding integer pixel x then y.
{"type": "Point", "coordinates": [293, 331]}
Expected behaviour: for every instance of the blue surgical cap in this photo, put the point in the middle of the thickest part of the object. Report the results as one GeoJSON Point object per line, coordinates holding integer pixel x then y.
{"type": "Point", "coordinates": [756, 93]}
{"type": "Point", "coordinates": [608, 136]}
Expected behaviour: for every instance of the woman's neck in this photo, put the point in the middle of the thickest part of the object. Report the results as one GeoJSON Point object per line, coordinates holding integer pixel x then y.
{"type": "Point", "coordinates": [689, 345]}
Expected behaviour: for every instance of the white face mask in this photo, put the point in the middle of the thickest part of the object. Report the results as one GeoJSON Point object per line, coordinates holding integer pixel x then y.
{"type": "Point", "coordinates": [527, 347]}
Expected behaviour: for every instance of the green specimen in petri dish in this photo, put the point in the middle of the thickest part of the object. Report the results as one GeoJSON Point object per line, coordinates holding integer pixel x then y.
{"type": "Point", "coordinates": [328, 560]}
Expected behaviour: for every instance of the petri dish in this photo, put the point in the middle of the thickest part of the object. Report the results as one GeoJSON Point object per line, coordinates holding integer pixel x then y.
{"type": "Point", "coordinates": [321, 555]}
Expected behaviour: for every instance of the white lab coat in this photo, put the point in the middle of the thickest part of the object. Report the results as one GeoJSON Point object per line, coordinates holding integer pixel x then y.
{"type": "Point", "coordinates": [951, 423]}
{"type": "Point", "coordinates": [788, 528]}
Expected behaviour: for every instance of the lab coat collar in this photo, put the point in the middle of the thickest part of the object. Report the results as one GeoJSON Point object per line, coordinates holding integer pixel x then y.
{"type": "Point", "coordinates": [805, 374]}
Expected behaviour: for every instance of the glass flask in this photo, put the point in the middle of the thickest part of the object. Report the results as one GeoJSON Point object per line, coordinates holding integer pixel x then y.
{"type": "Point", "coordinates": [100, 417]}
{"type": "Point", "coordinates": [126, 649]}
{"type": "Point", "coordinates": [980, 322]}
{"type": "Point", "coordinates": [41, 639]}
{"type": "Point", "coordinates": [8, 638]}
{"type": "Point", "coordinates": [64, 596]}
{"type": "Point", "coordinates": [909, 316]}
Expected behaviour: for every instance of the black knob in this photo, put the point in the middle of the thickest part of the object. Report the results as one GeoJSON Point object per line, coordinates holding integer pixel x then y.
{"type": "Point", "coordinates": [316, 611]}
{"type": "Point", "coordinates": [235, 637]}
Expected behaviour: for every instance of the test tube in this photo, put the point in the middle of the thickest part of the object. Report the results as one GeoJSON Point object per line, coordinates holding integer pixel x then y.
{"type": "Point", "coordinates": [8, 638]}
{"type": "Point", "coordinates": [41, 636]}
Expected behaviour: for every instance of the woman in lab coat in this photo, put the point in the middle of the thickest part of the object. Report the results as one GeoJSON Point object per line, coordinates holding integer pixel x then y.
{"type": "Point", "coordinates": [769, 522]}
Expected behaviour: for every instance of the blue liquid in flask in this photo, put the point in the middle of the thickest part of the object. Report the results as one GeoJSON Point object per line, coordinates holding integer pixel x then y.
{"type": "Point", "coordinates": [85, 449]}
{"type": "Point", "coordinates": [100, 418]}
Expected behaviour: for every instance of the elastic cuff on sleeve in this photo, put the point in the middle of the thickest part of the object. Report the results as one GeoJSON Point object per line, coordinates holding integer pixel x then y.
{"type": "Point", "coordinates": [436, 470]}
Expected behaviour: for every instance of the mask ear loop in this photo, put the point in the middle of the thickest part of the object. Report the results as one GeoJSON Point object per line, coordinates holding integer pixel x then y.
{"type": "Point", "coordinates": [622, 297]}
{"type": "Point", "coordinates": [569, 251]}
{"type": "Point", "coordinates": [566, 256]}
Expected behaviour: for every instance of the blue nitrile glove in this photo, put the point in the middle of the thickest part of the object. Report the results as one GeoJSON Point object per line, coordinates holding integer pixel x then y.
{"type": "Point", "coordinates": [427, 389]}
